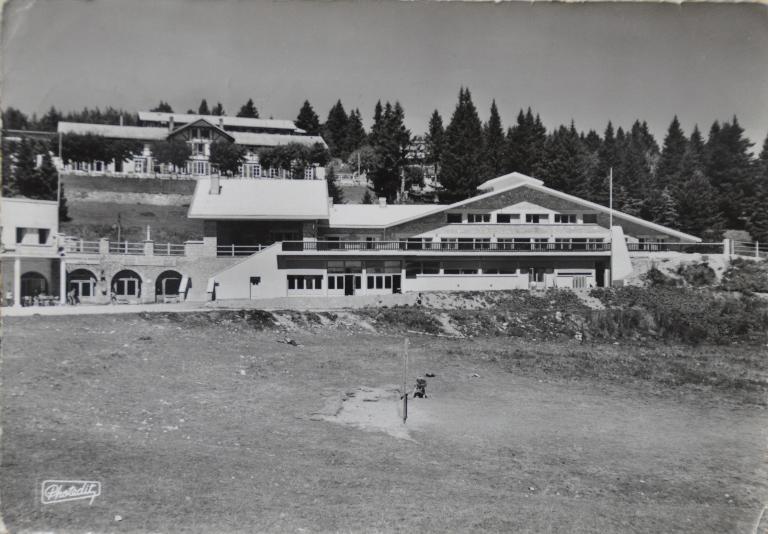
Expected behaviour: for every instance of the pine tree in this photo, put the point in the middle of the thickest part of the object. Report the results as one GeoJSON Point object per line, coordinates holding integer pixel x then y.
{"type": "Point", "coordinates": [391, 144]}
{"type": "Point", "coordinates": [729, 166]}
{"type": "Point", "coordinates": [308, 119]}
{"type": "Point", "coordinates": [434, 139]}
{"type": "Point", "coordinates": [525, 144]}
{"type": "Point", "coordinates": [378, 124]}
{"type": "Point", "coordinates": [203, 108]}
{"type": "Point", "coordinates": [696, 198]}
{"type": "Point", "coordinates": [163, 107]}
{"type": "Point", "coordinates": [50, 121]}
{"type": "Point", "coordinates": [565, 160]}
{"type": "Point", "coordinates": [460, 166]}
{"type": "Point", "coordinates": [218, 110]}
{"type": "Point", "coordinates": [355, 135]}
{"type": "Point", "coordinates": [670, 163]}
{"type": "Point", "coordinates": [757, 211]}
{"type": "Point", "coordinates": [334, 191]}
{"type": "Point", "coordinates": [667, 214]}
{"type": "Point", "coordinates": [335, 130]}
{"type": "Point", "coordinates": [248, 110]}
{"type": "Point", "coordinates": [13, 119]}
{"type": "Point", "coordinates": [494, 145]}
{"type": "Point", "coordinates": [367, 197]}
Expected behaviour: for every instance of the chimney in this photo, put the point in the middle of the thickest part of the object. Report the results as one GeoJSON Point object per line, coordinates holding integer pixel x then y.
{"type": "Point", "coordinates": [170, 123]}
{"type": "Point", "coordinates": [382, 202]}
{"type": "Point", "coordinates": [215, 187]}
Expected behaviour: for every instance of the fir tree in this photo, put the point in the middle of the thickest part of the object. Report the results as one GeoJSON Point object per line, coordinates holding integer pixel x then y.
{"type": "Point", "coordinates": [378, 125]}
{"type": "Point", "coordinates": [667, 214]}
{"type": "Point", "coordinates": [696, 198]}
{"type": "Point", "coordinates": [203, 108]}
{"type": "Point", "coordinates": [13, 119]}
{"type": "Point", "coordinates": [494, 145]}
{"type": "Point", "coordinates": [367, 197]}
{"type": "Point", "coordinates": [355, 135]}
{"type": "Point", "coordinates": [163, 107]}
{"type": "Point", "coordinates": [460, 166]}
{"type": "Point", "coordinates": [728, 165]}
{"type": "Point", "coordinates": [308, 119]}
{"type": "Point", "coordinates": [434, 140]}
{"type": "Point", "coordinates": [391, 145]}
{"type": "Point", "coordinates": [670, 163]}
{"type": "Point", "coordinates": [334, 191]}
{"type": "Point", "coordinates": [218, 110]}
{"type": "Point", "coordinates": [335, 130]}
{"type": "Point", "coordinates": [565, 160]}
{"type": "Point", "coordinates": [757, 211]}
{"type": "Point", "coordinates": [248, 110]}
{"type": "Point", "coordinates": [525, 144]}
{"type": "Point", "coordinates": [50, 121]}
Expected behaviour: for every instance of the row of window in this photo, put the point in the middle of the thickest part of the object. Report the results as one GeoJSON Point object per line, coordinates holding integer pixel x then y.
{"type": "Point", "coordinates": [531, 218]}
{"type": "Point", "coordinates": [303, 281]}
{"type": "Point", "coordinates": [413, 268]}
{"type": "Point", "coordinates": [502, 243]}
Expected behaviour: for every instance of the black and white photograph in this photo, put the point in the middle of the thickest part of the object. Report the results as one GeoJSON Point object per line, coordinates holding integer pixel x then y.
{"type": "Point", "coordinates": [357, 266]}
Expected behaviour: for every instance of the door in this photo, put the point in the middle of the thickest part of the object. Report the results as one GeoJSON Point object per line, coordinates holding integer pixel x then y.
{"type": "Point", "coordinates": [396, 284]}
{"type": "Point", "coordinates": [349, 284]}
{"type": "Point", "coordinates": [600, 274]}
{"type": "Point", "coordinates": [254, 281]}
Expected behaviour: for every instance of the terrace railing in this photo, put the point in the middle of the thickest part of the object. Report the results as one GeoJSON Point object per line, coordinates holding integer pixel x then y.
{"type": "Point", "coordinates": [126, 247]}
{"type": "Point", "coordinates": [78, 246]}
{"type": "Point", "coordinates": [687, 248]}
{"type": "Point", "coordinates": [755, 250]}
{"type": "Point", "coordinates": [168, 249]}
{"type": "Point", "coordinates": [449, 247]}
{"type": "Point", "coordinates": [238, 250]}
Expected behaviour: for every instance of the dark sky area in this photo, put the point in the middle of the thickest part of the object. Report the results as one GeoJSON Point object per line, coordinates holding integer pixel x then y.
{"type": "Point", "coordinates": [589, 63]}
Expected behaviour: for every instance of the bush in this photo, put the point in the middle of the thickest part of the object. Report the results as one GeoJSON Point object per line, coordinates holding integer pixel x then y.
{"type": "Point", "coordinates": [697, 274]}
{"type": "Point", "coordinates": [655, 278]}
{"type": "Point", "coordinates": [404, 317]}
{"type": "Point", "coordinates": [746, 276]}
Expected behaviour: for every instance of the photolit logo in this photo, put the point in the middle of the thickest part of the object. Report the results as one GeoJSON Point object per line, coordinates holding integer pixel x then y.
{"type": "Point", "coordinates": [54, 491]}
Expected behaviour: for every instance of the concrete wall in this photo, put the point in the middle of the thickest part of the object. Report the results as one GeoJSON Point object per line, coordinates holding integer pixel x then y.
{"type": "Point", "coordinates": [26, 213]}
{"type": "Point", "coordinates": [234, 281]}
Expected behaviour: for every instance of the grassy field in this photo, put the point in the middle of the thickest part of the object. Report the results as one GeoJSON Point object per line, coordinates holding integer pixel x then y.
{"type": "Point", "coordinates": [210, 423]}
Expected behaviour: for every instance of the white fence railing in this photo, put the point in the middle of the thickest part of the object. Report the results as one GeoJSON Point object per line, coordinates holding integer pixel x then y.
{"type": "Point", "coordinates": [745, 248]}
{"type": "Point", "coordinates": [239, 250]}
{"type": "Point", "coordinates": [126, 247]}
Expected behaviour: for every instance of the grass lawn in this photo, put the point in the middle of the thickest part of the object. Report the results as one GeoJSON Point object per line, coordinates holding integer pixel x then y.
{"type": "Point", "coordinates": [199, 426]}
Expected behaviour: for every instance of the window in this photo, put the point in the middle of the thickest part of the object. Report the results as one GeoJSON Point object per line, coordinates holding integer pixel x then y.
{"type": "Point", "coordinates": [412, 268]}
{"type": "Point", "coordinates": [453, 217]}
{"type": "Point", "coordinates": [536, 218]}
{"type": "Point", "coordinates": [303, 281]}
{"type": "Point", "coordinates": [20, 234]}
{"type": "Point", "coordinates": [590, 218]}
{"type": "Point", "coordinates": [478, 217]}
{"type": "Point", "coordinates": [460, 268]}
{"type": "Point", "coordinates": [418, 243]}
{"type": "Point", "coordinates": [563, 243]}
{"type": "Point", "coordinates": [507, 217]}
{"type": "Point", "coordinates": [540, 243]}
{"type": "Point", "coordinates": [474, 243]}
{"type": "Point", "coordinates": [565, 218]}
{"type": "Point", "coordinates": [42, 235]}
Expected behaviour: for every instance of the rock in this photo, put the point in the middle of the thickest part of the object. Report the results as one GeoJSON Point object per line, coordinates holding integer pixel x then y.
{"type": "Point", "coordinates": [475, 375]}
{"type": "Point", "coordinates": [118, 518]}
{"type": "Point", "coordinates": [429, 375]}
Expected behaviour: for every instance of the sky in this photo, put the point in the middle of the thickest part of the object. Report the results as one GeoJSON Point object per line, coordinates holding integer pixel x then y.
{"type": "Point", "coordinates": [584, 62]}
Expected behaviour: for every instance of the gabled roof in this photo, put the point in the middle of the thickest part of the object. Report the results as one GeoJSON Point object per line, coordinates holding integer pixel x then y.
{"type": "Point", "coordinates": [514, 180]}
{"type": "Point", "coordinates": [201, 122]}
{"type": "Point", "coordinates": [241, 122]}
{"type": "Point", "coordinates": [260, 199]}
{"type": "Point", "coordinates": [113, 131]}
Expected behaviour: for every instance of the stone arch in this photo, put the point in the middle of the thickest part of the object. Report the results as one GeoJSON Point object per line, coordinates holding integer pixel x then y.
{"type": "Point", "coordinates": [167, 284]}
{"type": "Point", "coordinates": [83, 282]}
{"type": "Point", "coordinates": [126, 284]}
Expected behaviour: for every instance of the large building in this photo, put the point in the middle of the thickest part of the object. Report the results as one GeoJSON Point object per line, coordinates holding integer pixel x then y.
{"type": "Point", "coordinates": [275, 238]}
{"type": "Point", "coordinates": [515, 234]}
{"type": "Point", "coordinates": [199, 132]}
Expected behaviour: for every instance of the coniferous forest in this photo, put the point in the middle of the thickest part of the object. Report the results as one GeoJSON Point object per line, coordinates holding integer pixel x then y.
{"type": "Point", "coordinates": [698, 181]}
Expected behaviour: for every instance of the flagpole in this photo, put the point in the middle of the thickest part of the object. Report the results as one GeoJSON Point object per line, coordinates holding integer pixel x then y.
{"type": "Point", "coordinates": [610, 197]}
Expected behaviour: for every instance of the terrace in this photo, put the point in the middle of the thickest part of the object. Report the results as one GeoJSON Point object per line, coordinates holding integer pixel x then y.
{"type": "Point", "coordinates": [599, 248]}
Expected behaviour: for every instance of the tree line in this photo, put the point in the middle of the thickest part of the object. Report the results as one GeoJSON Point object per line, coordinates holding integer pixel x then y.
{"type": "Point", "coordinates": [699, 185]}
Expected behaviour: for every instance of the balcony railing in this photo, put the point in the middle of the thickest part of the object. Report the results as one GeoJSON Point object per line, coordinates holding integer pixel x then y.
{"type": "Point", "coordinates": [168, 249]}
{"type": "Point", "coordinates": [687, 248]}
{"type": "Point", "coordinates": [78, 246]}
{"type": "Point", "coordinates": [449, 247]}
{"type": "Point", "coordinates": [126, 247]}
{"type": "Point", "coordinates": [239, 250]}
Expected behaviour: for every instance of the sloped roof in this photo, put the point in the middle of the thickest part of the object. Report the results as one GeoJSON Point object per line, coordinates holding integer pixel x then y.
{"type": "Point", "coordinates": [242, 122]}
{"type": "Point", "coordinates": [506, 181]}
{"type": "Point", "coordinates": [113, 131]}
{"type": "Point", "coordinates": [373, 215]}
{"type": "Point", "coordinates": [267, 139]}
{"type": "Point", "coordinates": [259, 199]}
{"type": "Point", "coordinates": [199, 122]}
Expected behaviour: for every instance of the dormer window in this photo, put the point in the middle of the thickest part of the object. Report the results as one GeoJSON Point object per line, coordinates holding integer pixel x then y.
{"type": "Point", "coordinates": [565, 218]}
{"type": "Point", "coordinates": [453, 218]}
{"type": "Point", "coordinates": [507, 217]}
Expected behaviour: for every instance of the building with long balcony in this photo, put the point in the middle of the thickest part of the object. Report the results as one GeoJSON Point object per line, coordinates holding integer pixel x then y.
{"type": "Point", "coordinates": [277, 238]}
{"type": "Point", "coordinates": [199, 132]}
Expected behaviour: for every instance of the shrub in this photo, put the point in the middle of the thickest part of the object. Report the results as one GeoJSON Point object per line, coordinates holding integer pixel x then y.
{"type": "Point", "coordinates": [404, 317]}
{"type": "Point", "coordinates": [697, 274]}
{"type": "Point", "coordinates": [746, 276]}
{"type": "Point", "coordinates": [655, 278]}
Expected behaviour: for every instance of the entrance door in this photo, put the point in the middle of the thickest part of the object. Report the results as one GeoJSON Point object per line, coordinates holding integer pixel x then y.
{"type": "Point", "coordinates": [600, 274]}
{"type": "Point", "coordinates": [349, 284]}
{"type": "Point", "coordinates": [396, 284]}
